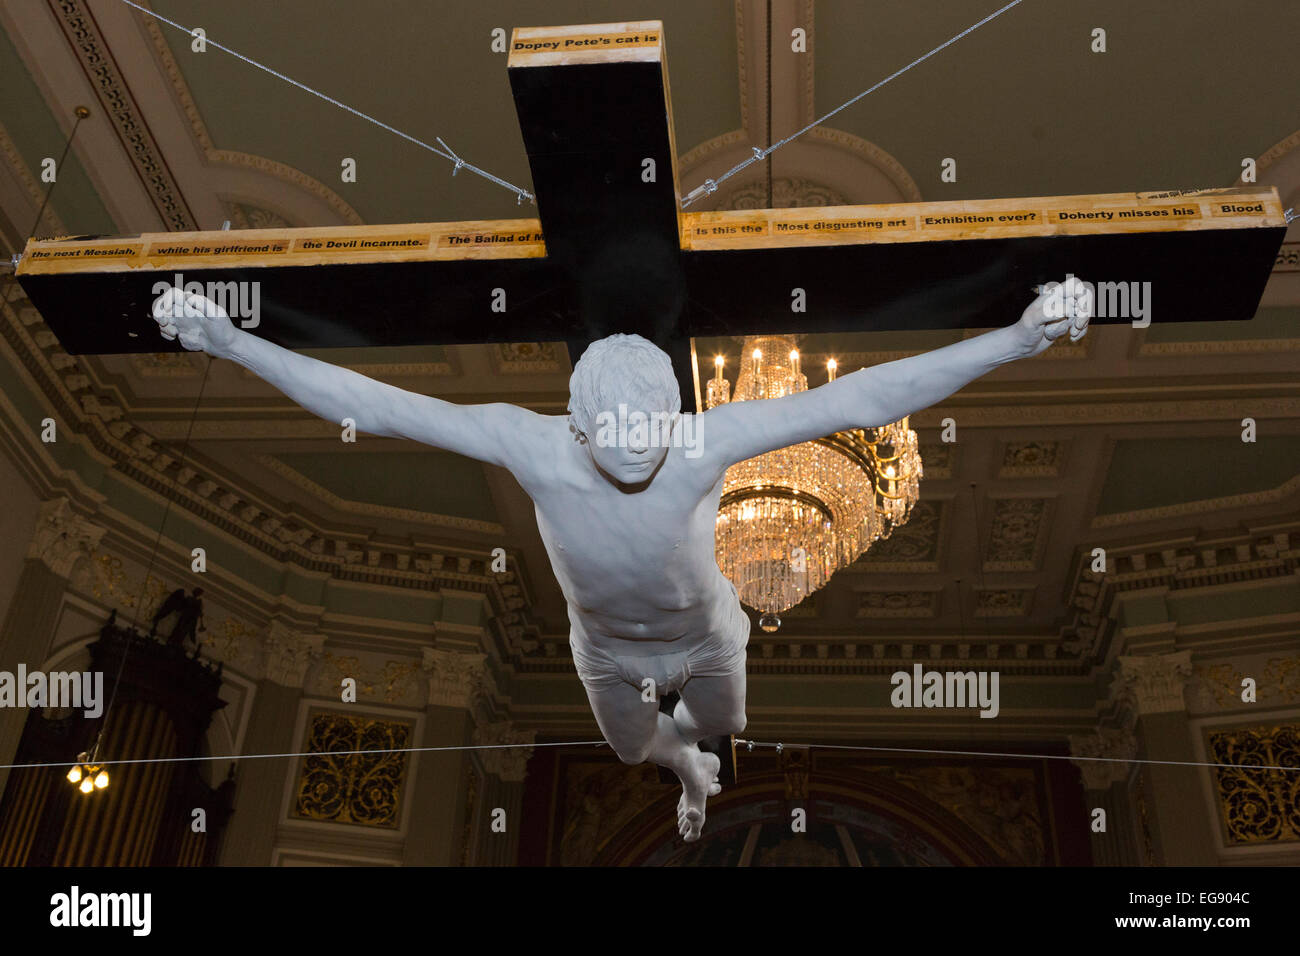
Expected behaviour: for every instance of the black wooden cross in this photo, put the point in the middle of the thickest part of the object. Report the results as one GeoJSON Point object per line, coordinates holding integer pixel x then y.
{"type": "Point", "coordinates": [620, 255]}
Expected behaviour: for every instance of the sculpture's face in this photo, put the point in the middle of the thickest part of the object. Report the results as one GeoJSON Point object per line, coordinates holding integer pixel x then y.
{"type": "Point", "coordinates": [629, 446]}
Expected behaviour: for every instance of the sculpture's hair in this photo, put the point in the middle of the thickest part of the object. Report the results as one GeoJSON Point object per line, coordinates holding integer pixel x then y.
{"type": "Point", "coordinates": [622, 368]}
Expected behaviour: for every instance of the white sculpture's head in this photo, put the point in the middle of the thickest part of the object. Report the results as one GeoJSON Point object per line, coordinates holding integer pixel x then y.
{"type": "Point", "coordinates": [623, 405]}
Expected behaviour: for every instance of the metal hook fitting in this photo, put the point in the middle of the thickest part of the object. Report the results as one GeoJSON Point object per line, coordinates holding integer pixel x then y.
{"type": "Point", "coordinates": [459, 162]}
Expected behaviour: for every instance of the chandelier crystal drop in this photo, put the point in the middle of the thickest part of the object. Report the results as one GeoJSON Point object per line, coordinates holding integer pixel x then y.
{"type": "Point", "coordinates": [791, 518]}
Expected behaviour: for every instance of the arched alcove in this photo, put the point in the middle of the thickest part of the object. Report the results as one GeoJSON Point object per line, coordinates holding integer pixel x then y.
{"type": "Point", "coordinates": [847, 824]}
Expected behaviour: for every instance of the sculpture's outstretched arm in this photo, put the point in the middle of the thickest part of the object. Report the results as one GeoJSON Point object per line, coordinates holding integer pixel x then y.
{"type": "Point", "coordinates": [888, 392]}
{"type": "Point", "coordinates": [485, 432]}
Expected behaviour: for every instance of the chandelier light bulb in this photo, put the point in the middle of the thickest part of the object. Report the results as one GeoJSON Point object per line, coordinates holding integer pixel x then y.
{"type": "Point", "coordinates": [74, 774]}
{"type": "Point", "coordinates": [831, 366]}
{"type": "Point", "coordinates": [719, 389]}
{"type": "Point", "coordinates": [86, 785]}
{"type": "Point", "coordinates": [101, 780]}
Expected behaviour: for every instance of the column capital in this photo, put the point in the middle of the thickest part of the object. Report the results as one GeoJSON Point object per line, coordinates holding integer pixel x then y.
{"type": "Point", "coordinates": [1154, 683]}
{"type": "Point", "coordinates": [509, 763]}
{"type": "Point", "coordinates": [63, 537]}
{"type": "Point", "coordinates": [456, 678]}
{"type": "Point", "coordinates": [288, 654]}
{"type": "Point", "coordinates": [1109, 750]}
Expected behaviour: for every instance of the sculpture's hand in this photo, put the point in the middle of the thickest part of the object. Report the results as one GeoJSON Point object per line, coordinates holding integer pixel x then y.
{"type": "Point", "coordinates": [196, 320]}
{"type": "Point", "coordinates": [1062, 307]}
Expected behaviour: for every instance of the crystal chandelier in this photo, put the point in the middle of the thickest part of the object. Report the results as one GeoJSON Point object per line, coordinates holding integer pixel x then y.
{"type": "Point", "coordinates": [791, 518]}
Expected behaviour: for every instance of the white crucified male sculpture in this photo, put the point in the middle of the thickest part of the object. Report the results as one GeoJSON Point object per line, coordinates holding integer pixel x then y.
{"type": "Point", "coordinates": [627, 516]}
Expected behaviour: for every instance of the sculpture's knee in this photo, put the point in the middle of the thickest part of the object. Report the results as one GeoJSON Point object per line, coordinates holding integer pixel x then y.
{"type": "Point", "coordinates": [732, 723]}
{"type": "Point", "coordinates": [723, 723]}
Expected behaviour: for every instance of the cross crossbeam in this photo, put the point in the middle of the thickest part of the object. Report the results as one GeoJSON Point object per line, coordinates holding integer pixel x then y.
{"type": "Point", "coordinates": [612, 251]}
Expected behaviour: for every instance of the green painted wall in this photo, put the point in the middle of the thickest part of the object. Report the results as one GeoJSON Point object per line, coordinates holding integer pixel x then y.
{"type": "Point", "coordinates": [36, 135]}
{"type": "Point", "coordinates": [427, 480]}
{"type": "Point", "coordinates": [428, 70]}
{"type": "Point", "coordinates": [1175, 102]}
{"type": "Point", "coordinates": [1155, 472]}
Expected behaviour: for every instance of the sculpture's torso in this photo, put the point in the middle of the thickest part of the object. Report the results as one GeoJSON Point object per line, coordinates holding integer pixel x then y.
{"type": "Point", "coordinates": [636, 567]}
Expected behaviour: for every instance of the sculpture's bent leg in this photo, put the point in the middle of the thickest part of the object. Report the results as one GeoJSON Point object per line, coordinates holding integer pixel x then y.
{"type": "Point", "coordinates": [712, 706]}
{"type": "Point", "coordinates": [638, 732]}
{"type": "Point", "coordinates": [628, 723]}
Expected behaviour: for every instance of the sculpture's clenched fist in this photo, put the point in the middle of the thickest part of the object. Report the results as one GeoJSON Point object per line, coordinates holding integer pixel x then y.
{"type": "Point", "coordinates": [199, 323]}
{"type": "Point", "coordinates": [1061, 307]}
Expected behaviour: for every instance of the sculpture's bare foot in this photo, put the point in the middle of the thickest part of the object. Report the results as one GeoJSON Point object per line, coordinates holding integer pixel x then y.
{"type": "Point", "coordinates": [699, 781]}
{"type": "Point", "coordinates": [715, 788]}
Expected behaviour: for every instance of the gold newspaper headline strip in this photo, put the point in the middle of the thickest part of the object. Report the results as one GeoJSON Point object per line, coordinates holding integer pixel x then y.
{"type": "Point", "coordinates": [52, 252]}
{"type": "Point", "coordinates": [627, 42]}
{"type": "Point", "coordinates": [1143, 213]}
{"type": "Point", "coordinates": [585, 41]}
{"type": "Point", "coordinates": [216, 250]}
{"type": "Point", "coordinates": [522, 238]}
{"type": "Point", "coordinates": [496, 239]}
{"type": "Point", "coordinates": [987, 218]}
{"type": "Point", "coordinates": [479, 238]}
{"type": "Point", "coordinates": [995, 218]}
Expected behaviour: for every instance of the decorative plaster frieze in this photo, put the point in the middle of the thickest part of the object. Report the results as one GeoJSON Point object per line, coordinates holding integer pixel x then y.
{"type": "Point", "coordinates": [508, 761]}
{"type": "Point", "coordinates": [1081, 411]}
{"type": "Point", "coordinates": [1237, 347]}
{"type": "Point", "coordinates": [1219, 686]}
{"type": "Point", "coordinates": [395, 682]}
{"type": "Point", "coordinates": [288, 654]}
{"type": "Point", "coordinates": [525, 358]}
{"type": "Point", "coordinates": [456, 678]}
{"type": "Point", "coordinates": [1003, 602]}
{"type": "Point", "coordinates": [1031, 459]}
{"type": "Point", "coordinates": [1017, 534]}
{"type": "Point", "coordinates": [1106, 757]}
{"type": "Point", "coordinates": [895, 603]}
{"type": "Point", "coordinates": [1173, 567]}
{"type": "Point", "coordinates": [1154, 684]}
{"type": "Point", "coordinates": [63, 537]}
{"type": "Point", "coordinates": [121, 110]}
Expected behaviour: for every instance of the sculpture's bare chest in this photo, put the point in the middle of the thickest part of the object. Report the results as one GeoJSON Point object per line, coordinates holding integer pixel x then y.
{"type": "Point", "coordinates": [631, 555]}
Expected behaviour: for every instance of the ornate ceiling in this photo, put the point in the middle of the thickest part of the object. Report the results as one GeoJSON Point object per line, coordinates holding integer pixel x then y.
{"type": "Point", "coordinates": [1129, 440]}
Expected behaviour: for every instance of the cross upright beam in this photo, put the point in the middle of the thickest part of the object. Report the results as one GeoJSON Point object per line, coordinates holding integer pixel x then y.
{"type": "Point", "coordinates": [596, 117]}
{"type": "Point", "coordinates": [612, 251]}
